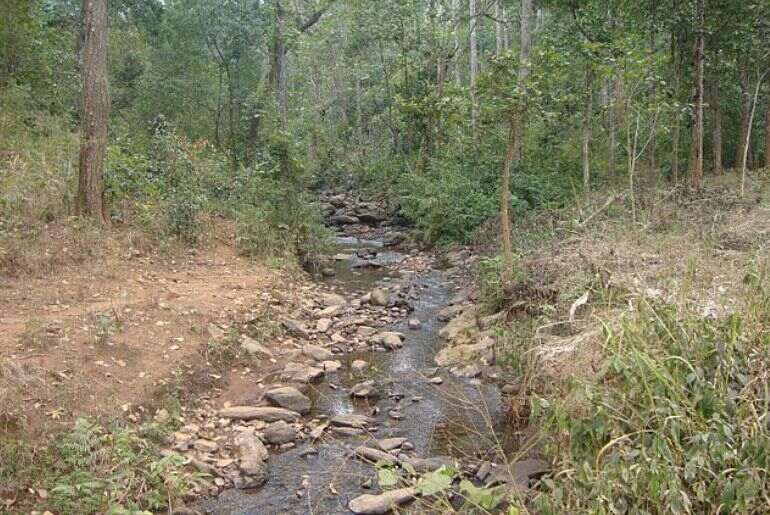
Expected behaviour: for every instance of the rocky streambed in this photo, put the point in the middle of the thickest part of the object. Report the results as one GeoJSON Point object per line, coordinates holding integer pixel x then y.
{"type": "Point", "coordinates": [391, 365]}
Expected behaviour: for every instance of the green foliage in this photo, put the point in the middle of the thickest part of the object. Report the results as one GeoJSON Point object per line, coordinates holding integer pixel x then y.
{"type": "Point", "coordinates": [89, 469]}
{"type": "Point", "coordinates": [676, 420]}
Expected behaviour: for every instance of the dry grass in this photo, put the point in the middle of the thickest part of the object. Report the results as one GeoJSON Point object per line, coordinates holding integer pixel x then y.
{"type": "Point", "coordinates": [685, 249]}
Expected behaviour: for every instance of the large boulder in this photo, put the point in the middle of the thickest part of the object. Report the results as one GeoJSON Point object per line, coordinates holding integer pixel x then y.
{"type": "Point", "coordinates": [465, 323]}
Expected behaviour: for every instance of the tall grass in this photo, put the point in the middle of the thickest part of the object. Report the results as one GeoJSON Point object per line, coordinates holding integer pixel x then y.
{"type": "Point", "coordinates": [677, 421]}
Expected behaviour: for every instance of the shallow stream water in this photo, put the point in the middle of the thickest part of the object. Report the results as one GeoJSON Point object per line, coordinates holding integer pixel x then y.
{"type": "Point", "coordinates": [454, 418]}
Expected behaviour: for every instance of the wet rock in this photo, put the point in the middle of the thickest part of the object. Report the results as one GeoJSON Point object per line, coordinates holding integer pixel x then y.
{"type": "Point", "coordinates": [253, 347]}
{"type": "Point", "coordinates": [388, 444]}
{"type": "Point", "coordinates": [279, 433]}
{"type": "Point", "coordinates": [371, 218]}
{"type": "Point", "coordinates": [414, 324]}
{"type": "Point", "coordinates": [333, 299]}
{"type": "Point", "coordinates": [316, 352]}
{"type": "Point", "coordinates": [395, 414]}
{"type": "Point", "coordinates": [359, 365]}
{"type": "Point", "coordinates": [347, 431]}
{"type": "Point", "coordinates": [518, 474]}
{"type": "Point", "coordinates": [323, 325]}
{"type": "Point", "coordinates": [436, 380]}
{"type": "Point", "coordinates": [423, 465]}
{"type": "Point", "coordinates": [296, 328]}
{"type": "Point", "coordinates": [379, 297]}
{"type": "Point", "coordinates": [343, 220]}
{"type": "Point", "coordinates": [374, 455]}
{"type": "Point", "coordinates": [289, 398]}
{"type": "Point", "coordinates": [364, 390]}
{"type": "Point", "coordinates": [352, 420]}
{"type": "Point", "coordinates": [328, 272]}
{"type": "Point", "coordinates": [264, 413]}
{"type": "Point", "coordinates": [383, 503]}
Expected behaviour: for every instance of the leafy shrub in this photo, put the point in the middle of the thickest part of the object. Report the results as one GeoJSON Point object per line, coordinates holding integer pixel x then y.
{"type": "Point", "coordinates": [675, 423]}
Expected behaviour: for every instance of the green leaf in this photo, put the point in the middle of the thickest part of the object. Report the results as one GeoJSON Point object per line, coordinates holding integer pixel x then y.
{"type": "Point", "coordinates": [486, 498]}
{"type": "Point", "coordinates": [436, 481]}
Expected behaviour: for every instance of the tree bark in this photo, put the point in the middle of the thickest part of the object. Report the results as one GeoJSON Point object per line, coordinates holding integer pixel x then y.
{"type": "Point", "coordinates": [767, 132]}
{"type": "Point", "coordinates": [95, 112]}
{"type": "Point", "coordinates": [587, 121]}
{"type": "Point", "coordinates": [278, 52]}
{"type": "Point", "coordinates": [676, 129]}
{"type": "Point", "coordinates": [717, 130]}
{"type": "Point", "coordinates": [695, 171]}
{"type": "Point", "coordinates": [523, 73]}
{"type": "Point", "coordinates": [745, 108]}
{"type": "Point", "coordinates": [505, 201]}
{"type": "Point", "coordinates": [499, 36]}
{"type": "Point", "coordinates": [474, 58]}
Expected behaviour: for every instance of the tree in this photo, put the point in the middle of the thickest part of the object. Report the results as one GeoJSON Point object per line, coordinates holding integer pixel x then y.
{"type": "Point", "coordinates": [513, 146]}
{"type": "Point", "coordinates": [474, 60]}
{"type": "Point", "coordinates": [696, 142]}
{"type": "Point", "coordinates": [94, 112]}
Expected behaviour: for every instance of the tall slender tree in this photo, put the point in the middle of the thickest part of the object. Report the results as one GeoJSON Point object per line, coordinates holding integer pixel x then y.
{"type": "Point", "coordinates": [474, 60]}
{"type": "Point", "coordinates": [94, 111]}
{"type": "Point", "coordinates": [696, 143]}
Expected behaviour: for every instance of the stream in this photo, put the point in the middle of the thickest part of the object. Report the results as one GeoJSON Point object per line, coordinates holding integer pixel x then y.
{"type": "Point", "coordinates": [454, 418]}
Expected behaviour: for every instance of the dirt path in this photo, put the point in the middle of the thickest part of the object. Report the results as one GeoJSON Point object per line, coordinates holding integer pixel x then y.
{"type": "Point", "coordinates": [102, 337]}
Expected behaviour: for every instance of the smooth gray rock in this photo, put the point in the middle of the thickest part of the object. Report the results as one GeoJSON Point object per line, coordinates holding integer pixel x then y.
{"type": "Point", "coordinates": [290, 398]}
{"type": "Point", "coordinates": [383, 503]}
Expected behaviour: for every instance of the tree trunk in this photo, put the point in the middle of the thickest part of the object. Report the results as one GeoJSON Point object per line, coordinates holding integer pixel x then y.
{"type": "Point", "coordinates": [499, 37]}
{"type": "Point", "coordinates": [676, 129]}
{"type": "Point", "coordinates": [95, 112]}
{"type": "Point", "coordinates": [505, 201]}
{"type": "Point", "coordinates": [746, 147]}
{"type": "Point", "coordinates": [612, 127]}
{"type": "Point", "coordinates": [767, 134]}
{"type": "Point", "coordinates": [587, 119]}
{"type": "Point", "coordinates": [717, 131]}
{"type": "Point", "coordinates": [745, 107]}
{"type": "Point", "coordinates": [278, 53]}
{"type": "Point", "coordinates": [457, 13]}
{"type": "Point", "coordinates": [524, 53]}
{"type": "Point", "coordinates": [696, 146]}
{"type": "Point", "coordinates": [474, 58]}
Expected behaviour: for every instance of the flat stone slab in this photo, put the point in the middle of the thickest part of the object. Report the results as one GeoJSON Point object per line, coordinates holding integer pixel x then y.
{"type": "Point", "coordinates": [264, 413]}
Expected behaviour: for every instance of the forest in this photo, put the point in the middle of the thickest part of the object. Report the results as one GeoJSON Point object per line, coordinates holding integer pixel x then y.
{"type": "Point", "coordinates": [363, 256]}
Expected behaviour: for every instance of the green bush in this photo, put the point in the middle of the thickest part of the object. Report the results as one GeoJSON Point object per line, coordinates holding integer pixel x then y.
{"type": "Point", "coordinates": [676, 423]}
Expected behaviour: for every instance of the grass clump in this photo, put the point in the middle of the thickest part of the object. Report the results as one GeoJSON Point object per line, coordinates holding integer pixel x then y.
{"type": "Point", "coordinates": [675, 423]}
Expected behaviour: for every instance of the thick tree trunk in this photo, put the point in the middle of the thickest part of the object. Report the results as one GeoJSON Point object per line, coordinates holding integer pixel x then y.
{"type": "Point", "coordinates": [457, 14]}
{"type": "Point", "coordinates": [95, 112]}
{"type": "Point", "coordinates": [587, 120]}
{"type": "Point", "coordinates": [474, 61]}
{"type": "Point", "coordinates": [695, 171]}
{"type": "Point", "coordinates": [717, 130]}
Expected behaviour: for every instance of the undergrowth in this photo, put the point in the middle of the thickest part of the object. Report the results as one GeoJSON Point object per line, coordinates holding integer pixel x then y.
{"type": "Point", "coordinates": [676, 421]}
{"type": "Point", "coordinates": [92, 469]}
